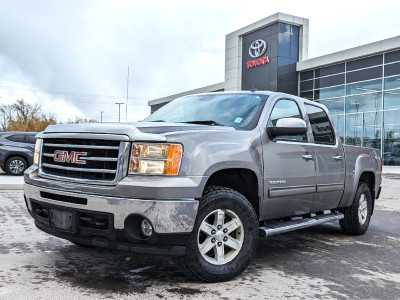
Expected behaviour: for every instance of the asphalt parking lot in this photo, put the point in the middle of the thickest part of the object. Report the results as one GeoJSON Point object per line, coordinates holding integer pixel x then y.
{"type": "Point", "coordinates": [318, 262]}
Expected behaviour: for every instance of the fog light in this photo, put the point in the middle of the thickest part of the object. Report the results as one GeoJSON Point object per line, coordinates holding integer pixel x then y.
{"type": "Point", "coordinates": [146, 228]}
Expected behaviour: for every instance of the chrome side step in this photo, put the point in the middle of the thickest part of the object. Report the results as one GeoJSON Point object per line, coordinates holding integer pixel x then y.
{"type": "Point", "coordinates": [281, 227]}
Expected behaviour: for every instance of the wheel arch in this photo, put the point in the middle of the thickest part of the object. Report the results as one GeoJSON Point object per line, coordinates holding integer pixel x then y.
{"type": "Point", "coordinates": [22, 155]}
{"type": "Point", "coordinates": [242, 180]}
{"type": "Point", "coordinates": [368, 177]}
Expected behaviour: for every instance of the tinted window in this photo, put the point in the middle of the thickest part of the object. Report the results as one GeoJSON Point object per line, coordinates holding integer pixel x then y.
{"type": "Point", "coordinates": [286, 108]}
{"type": "Point", "coordinates": [16, 138]}
{"type": "Point", "coordinates": [392, 56]}
{"type": "Point", "coordinates": [306, 85]}
{"type": "Point", "coordinates": [392, 69]}
{"type": "Point", "coordinates": [307, 95]}
{"type": "Point", "coordinates": [307, 75]}
{"type": "Point", "coordinates": [329, 70]}
{"type": "Point", "coordinates": [364, 74]}
{"type": "Point", "coordinates": [364, 62]}
{"type": "Point", "coordinates": [329, 81]}
{"type": "Point", "coordinates": [320, 124]}
{"type": "Point", "coordinates": [30, 139]}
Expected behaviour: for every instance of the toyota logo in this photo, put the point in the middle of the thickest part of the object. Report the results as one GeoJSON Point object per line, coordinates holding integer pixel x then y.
{"type": "Point", "coordinates": [257, 48]}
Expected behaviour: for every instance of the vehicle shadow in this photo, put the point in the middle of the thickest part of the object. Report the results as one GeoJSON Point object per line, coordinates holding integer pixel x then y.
{"type": "Point", "coordinates": [111, 271]}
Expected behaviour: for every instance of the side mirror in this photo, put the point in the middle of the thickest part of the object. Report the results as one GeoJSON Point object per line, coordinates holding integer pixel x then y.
{"type": "Point", "coordinates": [287, 126]}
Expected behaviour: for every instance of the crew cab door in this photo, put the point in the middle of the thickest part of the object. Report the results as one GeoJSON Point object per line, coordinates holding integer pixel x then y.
{"type": "Point", "coordinates": [289, 166]}
{"type": "Point", "coordinates": [329, 159]}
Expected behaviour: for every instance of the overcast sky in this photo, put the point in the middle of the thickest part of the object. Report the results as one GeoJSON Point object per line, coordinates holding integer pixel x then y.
{"type": "Point", "coordinates": [72, 56]}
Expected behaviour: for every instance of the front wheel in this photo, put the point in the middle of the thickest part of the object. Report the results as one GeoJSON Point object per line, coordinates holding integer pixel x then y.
{"type": "Point", "coordinates": [357, 216]}
{"type": "Point", "coordinates": [224, 238]}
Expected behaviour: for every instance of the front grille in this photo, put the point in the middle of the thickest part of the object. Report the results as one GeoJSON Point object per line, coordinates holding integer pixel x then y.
{"type": "Point", "coordinates": [100, 158]}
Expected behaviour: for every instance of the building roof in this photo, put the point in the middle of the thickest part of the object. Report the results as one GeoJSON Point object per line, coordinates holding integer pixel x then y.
{"type": "Point", "coordinates": [349, 54]}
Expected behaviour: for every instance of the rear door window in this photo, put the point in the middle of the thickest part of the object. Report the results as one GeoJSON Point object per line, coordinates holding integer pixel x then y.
{"type": "Point", "coordinates": [322, 129]}
{"type": "Point", "coordinates": [19, 138]}
{"type": "Point", "coordinates": [30, 139]}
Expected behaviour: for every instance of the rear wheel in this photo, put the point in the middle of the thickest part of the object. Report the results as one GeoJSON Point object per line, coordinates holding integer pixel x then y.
{"type": "Point", "coordinates": [224, 238]}
{"type": "Point", "coordinates": [358, 215]}
{"type": "Point", "coordinates": [16, 165]}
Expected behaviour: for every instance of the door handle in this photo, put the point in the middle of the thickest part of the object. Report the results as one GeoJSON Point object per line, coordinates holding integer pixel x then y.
{"type": "Point", "coordinates": [308, 157]}
{"type": "Point", "coordinates": [337, 158]}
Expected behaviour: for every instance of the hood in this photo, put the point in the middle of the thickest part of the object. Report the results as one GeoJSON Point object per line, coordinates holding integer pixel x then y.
{"type": "Point", "coordinates": [138, 131]}
{"type": "Point", "coordinates": [177, 128]}
{"type": "Point", "coordinates": [115, 131]}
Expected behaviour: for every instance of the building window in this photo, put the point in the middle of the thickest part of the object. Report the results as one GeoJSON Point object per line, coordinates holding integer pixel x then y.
{"type": "Point", "coordinates": [392, 69]}
{"type": "Point", "coordinates": [335, 106]}
{"type": "Point", "coordinates": [372, 130]}
{"type": "Point", "coordinates": [364, 62]}
{"type": "Point", "coordinates": [364, 74]}
{"type": "Point", "coordinates": [353, 129]}
{"type": "Point", "coordinates": [331, 70]}
{"type": "Point", "coordinates": [392, 56]}
{"type": "Point", "coordinates": [364, 87]}
{"type": "Point", "coordinates": [337, 91]}
{"type": "Point", "coordinates": [391, 144]}
{"type": "Point", "coordinates": [338, 121]}
{"type": "Point", "coordinates": [392, 83]}
{"type": "Point", "coordinates": [391, 99]}
{"type": "Point", "coordinates": [364, 102]}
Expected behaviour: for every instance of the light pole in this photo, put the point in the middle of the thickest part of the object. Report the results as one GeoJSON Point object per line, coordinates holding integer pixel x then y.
{"type": "Point", "coordinates": [101, 117]}
{"type": "Point", "coordinates": [119, 110]}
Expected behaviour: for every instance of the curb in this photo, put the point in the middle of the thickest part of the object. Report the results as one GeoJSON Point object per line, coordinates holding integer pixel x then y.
{"type": "Point", "coordinates": [11, 186]}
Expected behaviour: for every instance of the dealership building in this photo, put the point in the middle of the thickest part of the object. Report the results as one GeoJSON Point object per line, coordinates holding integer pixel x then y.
{"type": "Point", "coordinates": [360, 86]}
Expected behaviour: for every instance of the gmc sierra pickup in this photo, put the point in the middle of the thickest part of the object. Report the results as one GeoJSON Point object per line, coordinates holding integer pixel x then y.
{"type": "Point", "coordinates": [202, 179]}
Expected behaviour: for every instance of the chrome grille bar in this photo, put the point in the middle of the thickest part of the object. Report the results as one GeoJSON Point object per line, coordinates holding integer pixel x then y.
{"type": "Point", "coordinates": [79, 169]}
{"type": "Point", "coordinates": [81, 146]}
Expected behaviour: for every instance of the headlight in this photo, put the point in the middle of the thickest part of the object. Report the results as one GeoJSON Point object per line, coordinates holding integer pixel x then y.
{"type": "Point", "coordinates": [36, 154]}
{"type": "Point", "coordinates": [156, 159]}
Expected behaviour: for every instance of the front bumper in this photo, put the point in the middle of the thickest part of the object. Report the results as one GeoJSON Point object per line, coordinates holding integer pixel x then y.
{"type": "Point", "coordinates": [172, 219]}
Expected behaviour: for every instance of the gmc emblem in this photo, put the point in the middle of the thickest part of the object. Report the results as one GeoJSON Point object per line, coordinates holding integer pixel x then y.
{"type": "Point", "coordinates": [72, 157]}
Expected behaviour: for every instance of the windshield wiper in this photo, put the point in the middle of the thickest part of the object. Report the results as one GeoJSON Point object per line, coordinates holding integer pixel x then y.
{"type": "Point", "coordinates": [157, 121]}
{"type": "Point", "coordinates": [205, 122]}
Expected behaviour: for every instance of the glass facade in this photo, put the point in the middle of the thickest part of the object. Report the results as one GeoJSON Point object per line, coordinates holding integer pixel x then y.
{"type": "Point", "coordinates": [363, 97]}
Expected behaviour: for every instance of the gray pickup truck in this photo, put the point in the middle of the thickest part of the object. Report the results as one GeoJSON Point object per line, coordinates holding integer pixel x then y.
{"type": "Point", "coordinates": [202, 179]}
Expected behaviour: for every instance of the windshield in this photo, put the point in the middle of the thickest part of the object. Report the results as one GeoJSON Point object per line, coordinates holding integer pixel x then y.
{"type": "Point", "coordinates": [234, 110]}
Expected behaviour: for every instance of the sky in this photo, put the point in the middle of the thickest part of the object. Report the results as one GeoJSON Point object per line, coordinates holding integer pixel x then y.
{"type": "Point", "coordinates": [72, 57]}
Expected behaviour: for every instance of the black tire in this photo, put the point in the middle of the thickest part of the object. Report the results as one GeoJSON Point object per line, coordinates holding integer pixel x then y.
{"type": "Point", "coordinates": [230, 201]}
{"type": "Point", "coordinates": [351, 224]}
{"type": "Point", "coordinates": [16, 166]}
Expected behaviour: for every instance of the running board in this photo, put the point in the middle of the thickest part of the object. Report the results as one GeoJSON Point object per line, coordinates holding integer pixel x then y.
{"type": "Point", "coordinates": [281, 227]}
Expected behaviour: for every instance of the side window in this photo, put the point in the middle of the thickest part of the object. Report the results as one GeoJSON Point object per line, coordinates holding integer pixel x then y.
{"type": "Point", "coordinates": [16, 138]}
{"type": "Point", "coordinates": [321, 126]}
{"type": "Point", "coordinates": [30, 139]}
{"type": "Point", "coordinates": [285, 108]}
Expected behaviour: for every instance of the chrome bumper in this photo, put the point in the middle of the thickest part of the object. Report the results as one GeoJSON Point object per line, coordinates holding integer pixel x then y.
{"type": "Point", "coordinates": [166, 216]}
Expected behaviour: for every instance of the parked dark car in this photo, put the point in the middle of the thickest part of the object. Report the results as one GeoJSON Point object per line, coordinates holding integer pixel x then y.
{"type": "Point", "coordinates": [16, 151]}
